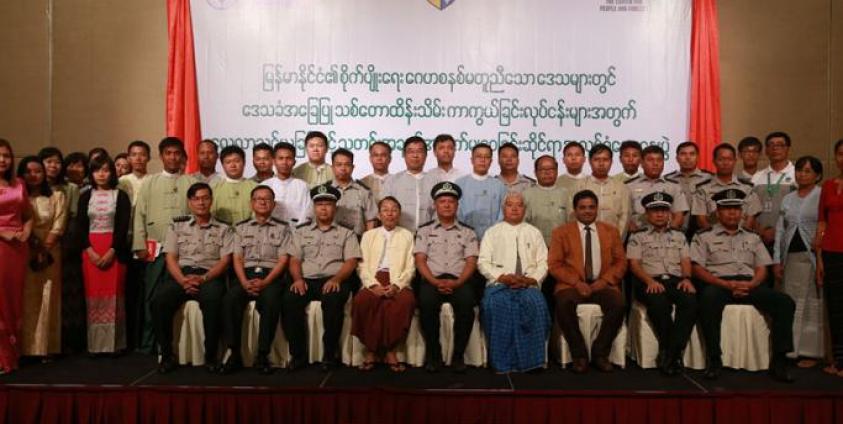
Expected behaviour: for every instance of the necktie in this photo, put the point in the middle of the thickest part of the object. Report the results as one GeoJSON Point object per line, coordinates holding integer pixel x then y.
{"type": "Point", "coordinates": [517, 257]}
{"type": "Point", "coordinates": [589, 266]}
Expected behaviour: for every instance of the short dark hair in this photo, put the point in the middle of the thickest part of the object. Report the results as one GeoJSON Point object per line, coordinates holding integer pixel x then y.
{"type": "Point", "coordinates": [343, 152]}
{"type": "Point", "coordinates": [10, 173]}
{"type": "Point", "coordinates": [573, 144]}
{"type": "Point", "coordinates": [283, 145]}
{"type": "Point", "coordinates": [536, 163]}
{"type": "Point", "coordinates": [49, 152]}
{"type": "Point", "coordinates": [412, 140]}
{"type": "Point", "coordinates": [837, 145]}
{"type": "Point", "coordinates": [44, 187]}
{"type": "Point", "coordinates": [139, 143]}
{"type": "Point", "coordinates": [585, 194]}
{"type": "Point", "coordinates": [98, 162]}
{"type": "Point", "coordinates": [211, 142]}
{"type": "Point", "coordinates": [168, 142]}
{"type": "Point", "coordinates": [723, 146]}
{"type": "Point", "coordinates": [76, 157]}
{"type": "Point", "coordinates": [316, 134]}
{"type": "Point", "coordinates": [262, 146]}
{"type": "Point", "coordinates": [380, 143]}
{"type": "Point", "coordinates": [777, 134]}
{"type": "Point", "coordinates": [748, 142]}
{"type": "Point", "coordinates": [96, 151]}
{"type": "Point", "coordinates": [508, 145]}
{"type": "Point", "coordinates": [191, 192]}
{"type": "Point", "coordinates": [815, 163]}
{"type": "Point", "coordinates": [685, 144]}
{"type": "Point", "coordinates": [121, 156]}
{"type": "Point", "coordinates": [441, 138]}
{"type": "Point", "coordinates": [597, 148]}
{"type": "Point", "coordinates": [653, 150]}
{"type": "Point", "coordinates": [389, 199]}
{"type": "Point", "coordinates": [262, 187]}
{"type": "Point", "coordinates": [232, 150]}
{"type": "Point", "coordinates": [631, 144]}
{"type": "Point", "coordinates": [480, 146]}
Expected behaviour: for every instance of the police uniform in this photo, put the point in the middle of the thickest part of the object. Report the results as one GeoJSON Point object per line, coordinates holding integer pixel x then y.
{"type": "Point", "coordinates": [260, 245]}
{"type": "Point", "coordinates": [734, 257]}
{"type": "Point", "coordinates": [521, 183]}
{"type": "Point", "coordinates": [703, 205]}
{"type": "Point", "coordinates": [689, 185]}
{"type": "Point", "coordinates": [641, 186]}
{"type": "Point", "coordinates": [355, 207]}
{"type": "Point", "coordinates": [375, 183]}
{"type": "Point", "coordinates": [322, 252]}
{"type": "Point", "coordinates": [612, 199]}
{"type": "Point", "coordinates": [660, 253]}
{"type": "Point", "coordinates": [446, 250]}
{"type": "Point", "coordinates": [199, 248]}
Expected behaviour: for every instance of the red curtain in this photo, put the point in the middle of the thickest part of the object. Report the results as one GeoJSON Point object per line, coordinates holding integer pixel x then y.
{"type": "Point", "coordinates": [182, 95]}
{"type": "Point", "coordinates": [705, 80]}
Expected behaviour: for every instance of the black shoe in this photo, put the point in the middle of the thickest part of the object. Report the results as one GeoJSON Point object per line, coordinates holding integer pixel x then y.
{"type": "Point", "coordinates": [663, 360]}
{"type": "Point", "coordinates": [167, 365]}
{"type": "Point", "coordinates": [213, 367]}
{"type": "Point", "coordinates": [296, 364]}
{"type": "Point", "coordinates": [432, 365]}
{"type": "Point", "coordinates": [713, 369]}
{"type": "Point", "coordinates": [327, 366]}
{"type": "Point", "coordinates": [458, 365]}
{"type": "Point", "coordinates": [263, 365]}
{"type": "Point", "coordinates": [779, 371]}
{"type": "Point", "coordinates": [232, 365]}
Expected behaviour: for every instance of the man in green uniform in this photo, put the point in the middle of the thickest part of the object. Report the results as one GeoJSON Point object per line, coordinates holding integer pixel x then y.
{"type": "Point", "coordinates": [315, 171]}
{"type": "Point", "coordinates": [231, 193]}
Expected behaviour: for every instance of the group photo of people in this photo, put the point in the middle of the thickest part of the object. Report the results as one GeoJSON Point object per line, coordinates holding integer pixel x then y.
{"type": "Point", "coordinates": [98, 254]}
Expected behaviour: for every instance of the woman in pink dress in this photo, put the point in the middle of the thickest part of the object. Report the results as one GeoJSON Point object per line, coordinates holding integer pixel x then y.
{"type": "Point", "coordinates": [15, 228]}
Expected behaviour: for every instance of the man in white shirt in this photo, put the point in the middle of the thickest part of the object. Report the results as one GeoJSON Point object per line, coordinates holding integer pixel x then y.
{"type": "Point", "coordinates": [292, 197]}
{"type": "Point", "coordinates": [772, 183]}
{"type": "Point", "coordinates": [444, 148]}
{"type": "Point", "coordinates": [412, 187]}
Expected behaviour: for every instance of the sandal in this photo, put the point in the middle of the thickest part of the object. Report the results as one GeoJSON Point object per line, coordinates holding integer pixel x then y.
{"type": "Point", "coordinates": [830, 369]}
{"type": "Point", "coordinates": [806, 363]}
{"type": "Point", "coordinates": [367, 366]}
{"type": "Point", "coordinates": [397, 367]}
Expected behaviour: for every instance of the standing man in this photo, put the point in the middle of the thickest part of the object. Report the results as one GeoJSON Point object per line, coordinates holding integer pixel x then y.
{"type": "Point", "coordinates": [139, 154]}
{"type": "Point", "coordinates": [292, 197]}
{"type": "Point", "coordinates": [198, 250]}
{"type": "Point", "coordinates": [612, 193]}
{"type": "Point", "coordinates": [573, 157]}
{"type": "Point", "coordinates": [315, 171]}
{"type": "Point", "coordinates": [508, 161]}
{"type": "Point", "coordinates": [772, 184]}
{"type": "Point", "coordinates": [689, 177]}
{"type": "Point", "coordinates": [444, 148]}
{"type": "Point", "coordinates": [260, 263]}
{"type": "Point", "coordinates": [231, 193]}
{"type": "Point", "coordinates": [650, 182]}
{"type": "Point", "coordinates": [323, 258]}
{"type": "Point", "coordinates": [749, 150]}
{"type": "Point", "coordinates": [631, 154]}
{"type": "Point", "coordinates": [587, 261]}
{"type": "Point", "coordinates": [704, 208]}
{"type": "Point", "coordinates": [482, 196]}
{"type": "Point", "coordinates": [446, 258]}
{"type": "Point", "coordinates": [547, 202]}
{"type": "Point", "coordinates": [207, 153]}
{"type": "Point", "coordinates": [380, 156]}
{"type": "Point", "coordinates": [411, 187]}
{"type": "Point", "coordinates": [262, 161]}
{"type": "Point", "coordinates": [356, 207]}
{"type": "Point", "coordinates": [732, 262]}
{"type": "Point", "coordinates": [660, 261]}
{"type": "Point", "coordinates": [161, 198]}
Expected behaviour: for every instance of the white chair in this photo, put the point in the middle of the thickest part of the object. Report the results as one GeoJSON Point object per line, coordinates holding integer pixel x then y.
{"type": "Point", "coordinates": [744, 338]}
{"type": "Point", "coordinates": [644, 346]}
{"type": "Point", "coordinates": [590, 317]}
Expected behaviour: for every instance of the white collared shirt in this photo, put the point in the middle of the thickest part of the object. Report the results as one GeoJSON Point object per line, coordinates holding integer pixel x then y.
{"type": "Point", "coordinates": [451, 175]}
{"type": "Point", "coordinates": [768, 176]}
{"type": "Point", "coordinates": [503, 243]}
{"type": "Point", "coordinates": [596, 265]}
{"type": "Point", "coordinates": [292, 199]}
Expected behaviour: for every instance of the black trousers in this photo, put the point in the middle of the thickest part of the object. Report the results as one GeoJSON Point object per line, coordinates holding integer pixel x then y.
{"type": "Point", "coordinates": [333, 305]}
{"type": "Point", "coordinates": [779, 306]}
{"type": "Point", "coordinates": [462, 300]}
{"type": "Point", "coordinates": [169, 296]}
{"type": "Point", "coordinates": [134, 309]}
{"type": "Point", "coordinates": [833, 292]}
{"type": "Point", "coordinates": [672, 333]}
{"type": "Point", "coordinates": [268, 303]}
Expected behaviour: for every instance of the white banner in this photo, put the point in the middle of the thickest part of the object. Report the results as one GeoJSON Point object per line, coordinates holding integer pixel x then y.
{"type": "Point", "coordinates": [539, 73]}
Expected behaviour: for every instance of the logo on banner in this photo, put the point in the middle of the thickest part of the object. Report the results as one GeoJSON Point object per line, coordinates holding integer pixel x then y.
{"type": "Point", "coordinates": [441, 4]}
{"type": "Point", "coordinates": [221, 4]}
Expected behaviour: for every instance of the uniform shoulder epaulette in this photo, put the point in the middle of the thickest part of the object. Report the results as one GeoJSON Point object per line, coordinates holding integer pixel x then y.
{"type": "Point", "coordinates": [427, 223]}
{"type": "Point", "coordinates": [181, 218]}
{"type": "Point", "coordinates": [746, 181]}
{"type": "Point", "coordinates": [280, 221]}
{"type": "Point", "coordinates": [672, 174]}
{"type": "Point", "coordinates": [671, 179]}
{"type": "Point", "coordinates": [704, 230]}
{"type": "Point", "coordinates": [705, 171]}
{"type": "Point", "coordinates": [702, 183]}
{"type": "Point", "coordinates": [346, 226]}
{"type": "Point", "coordinates": [635, 178]}
{"type": "Point", "coordinates": [223, 222]}
{"type": "Point", "coordinates": [304, 224]}
{"type": "Point", "coordinates": [362, 184]}
{"type": "Point", "coordinates": [243, 221]}
{"type": "Point", "coordinates": [466, 225]}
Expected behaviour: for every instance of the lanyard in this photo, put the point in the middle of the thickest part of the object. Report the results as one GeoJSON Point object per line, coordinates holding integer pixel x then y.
{"type": "Point", "coordinates": [773, 190]}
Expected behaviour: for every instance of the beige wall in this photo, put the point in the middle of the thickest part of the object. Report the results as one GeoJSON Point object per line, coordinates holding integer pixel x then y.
{"type": "Point", "coordinates": [781, 66]}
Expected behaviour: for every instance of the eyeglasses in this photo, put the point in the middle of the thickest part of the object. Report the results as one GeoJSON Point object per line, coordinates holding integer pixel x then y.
{"type": "Point", "coordinates": [777, 145]}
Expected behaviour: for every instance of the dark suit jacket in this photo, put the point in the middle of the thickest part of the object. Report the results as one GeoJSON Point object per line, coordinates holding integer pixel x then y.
{"type": "Point", "coordinates": [565, 257]}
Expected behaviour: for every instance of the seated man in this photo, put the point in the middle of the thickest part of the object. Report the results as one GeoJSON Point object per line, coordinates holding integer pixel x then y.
{"type": "Point", "coordinates": [588, 269]}
{"type": "Point", "coordinates": [732, 262]}
{"type": "Point", "coordinates": [446, 257]}
{"type": "Point", "coordinates": [323, 258]}
{"type": "Point", "coordinates": [659, 259]}
{"type": "Point", "coordinates": [198, 250]}
{"type": "Point", "coordinates": [513, 258]}
{"type": "Point", "coordinates": [260, 262]}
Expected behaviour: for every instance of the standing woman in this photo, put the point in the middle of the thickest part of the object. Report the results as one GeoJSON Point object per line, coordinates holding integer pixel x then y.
{"type": "Point", "coordinates": [42, 290]}
{"type": "Point", "coordinates": [829, 243]}
{"type": "Point", "coordinates": [15, 228]}
{"type": "Point", "coordinates": [384, 307]}
{"type": "Point", "coordinates": [103, 238]}
{"type": "Point", "coordinates": [795, 262]}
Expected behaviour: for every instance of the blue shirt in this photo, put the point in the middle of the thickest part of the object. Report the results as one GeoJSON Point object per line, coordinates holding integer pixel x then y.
{"type": "Point", "coordinates": [481, 205]}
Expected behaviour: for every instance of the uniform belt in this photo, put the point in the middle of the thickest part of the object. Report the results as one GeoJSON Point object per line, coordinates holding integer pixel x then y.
{"type": "Point", "coordinates": [665, 277]}
{"type": "Point", "coordinates": [258, 269]}
{"type": "Point", "coordinates": [191, 270]}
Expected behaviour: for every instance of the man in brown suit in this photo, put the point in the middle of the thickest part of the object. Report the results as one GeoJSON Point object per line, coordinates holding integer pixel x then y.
{"type": "Point", "coordinates": [588, 269]}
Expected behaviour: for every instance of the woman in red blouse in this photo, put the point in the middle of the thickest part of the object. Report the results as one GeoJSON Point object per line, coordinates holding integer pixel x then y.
{"type": "Point", "coordinates": [829, 244]}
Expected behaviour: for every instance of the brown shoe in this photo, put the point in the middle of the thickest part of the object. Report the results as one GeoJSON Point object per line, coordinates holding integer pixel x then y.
{"type": "Point", "coordinates": [580, 366]}
{"type": "Point", "coordinates": [603, 365]}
